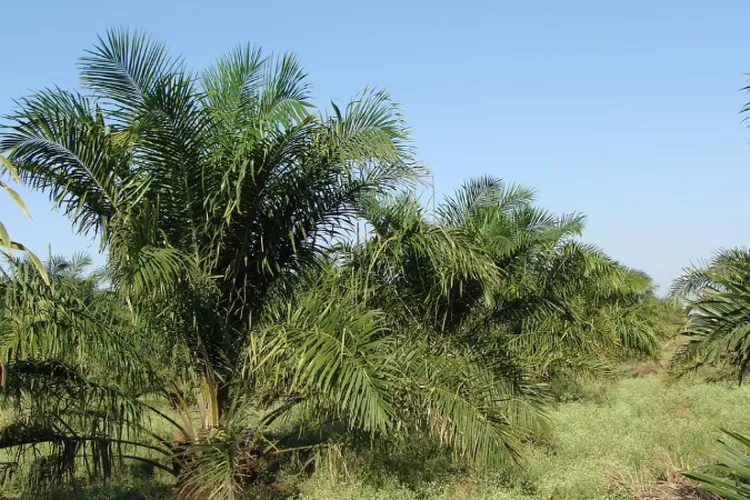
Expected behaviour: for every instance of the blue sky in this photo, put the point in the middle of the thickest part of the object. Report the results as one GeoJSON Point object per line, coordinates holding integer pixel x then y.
{"type": "Point", "coordinates": [624, 110]}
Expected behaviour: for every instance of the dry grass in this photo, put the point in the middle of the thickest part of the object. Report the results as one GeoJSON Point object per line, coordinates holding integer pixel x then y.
{"type": "Point", "coordinates": [671, 486]}
{"type": "Point", "coordinates": [643, 369]}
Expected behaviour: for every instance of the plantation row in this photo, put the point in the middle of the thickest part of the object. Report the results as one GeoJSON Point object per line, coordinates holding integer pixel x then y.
{"type": "Point", "coordinates": [275, 286]}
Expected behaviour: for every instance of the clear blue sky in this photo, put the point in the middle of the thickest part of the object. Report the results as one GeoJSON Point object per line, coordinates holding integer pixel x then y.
{"type": "Point", "coordinates": [624, 110]}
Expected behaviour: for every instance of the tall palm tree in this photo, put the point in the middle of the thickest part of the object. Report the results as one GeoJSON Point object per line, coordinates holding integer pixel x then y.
{"type": "Point", "coordinates": [222, 181]}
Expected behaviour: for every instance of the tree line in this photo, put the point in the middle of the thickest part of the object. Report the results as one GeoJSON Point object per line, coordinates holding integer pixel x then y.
{"type": "Point", "coordinates": [274, 283]}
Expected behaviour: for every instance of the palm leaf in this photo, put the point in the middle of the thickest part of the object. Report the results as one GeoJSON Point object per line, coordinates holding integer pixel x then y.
{"type": "Point", "coordinates": [732, 477]}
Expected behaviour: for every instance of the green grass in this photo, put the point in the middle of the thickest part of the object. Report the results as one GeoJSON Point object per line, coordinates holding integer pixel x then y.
{"type": "Point", "coordinates": [638, 432]}
{"type": "Point", "coordinates": [619, 440]}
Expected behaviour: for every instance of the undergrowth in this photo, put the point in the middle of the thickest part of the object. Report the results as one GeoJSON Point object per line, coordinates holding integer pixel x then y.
{"type": "Point", "coordinates": [611, 440]}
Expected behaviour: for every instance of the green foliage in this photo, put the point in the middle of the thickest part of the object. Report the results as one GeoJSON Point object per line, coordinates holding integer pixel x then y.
{"type": "Point", "coordinates": [627, 439]}
{"type": "Point", "coordinates": [732, 479]}
{"type": "Point", "coordinates": [717, 297]}
{"type": "Point", "coordinates": [207, 192]}
{"type": "Point", "coordinates": [274, 287]}
{"type": "Point", "coordinates": [506, 278]}
{"type": "Point", "coordinates": [6, 244]}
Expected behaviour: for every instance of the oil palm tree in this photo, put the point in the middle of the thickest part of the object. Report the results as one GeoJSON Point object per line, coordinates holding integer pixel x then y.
{"type": "Point", "coordinates": [716, 295]}
{"type": "Point", "coordinates": [717, 299]}
{"type": "Point", "coordinates": [69, 364]}
{"type": "Point", "coordinates": [222, 181]}
{"type": "Point", "coordinates": [421, 271]}
{"type": "Point", "coordinates": [216, 197]}
{"type": "Point", "coordinates": [504, 284]}
{"type": "Point", "coordinates": [530, 293]}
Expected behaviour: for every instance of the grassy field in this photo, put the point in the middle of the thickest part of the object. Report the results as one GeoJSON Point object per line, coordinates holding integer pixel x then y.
{"type": "Point", "coordinates": [617, 440]}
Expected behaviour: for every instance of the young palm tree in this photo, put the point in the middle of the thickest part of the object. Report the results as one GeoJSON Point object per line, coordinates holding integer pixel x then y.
{"type": "Point", "coordinates": [530, 293]}
{"type": "Point", "coordinates": [215, 197]}
{"type": "Point", "coordinates": [562, 306]}
{"type": "Point", "coordinates": [420, 271]}
{"type": "Point", "coordinates": [70, 364]}
{"type": "Point", "coordinates": [498, 283]}
{"type": "Point", "coordinates": [717, 298]}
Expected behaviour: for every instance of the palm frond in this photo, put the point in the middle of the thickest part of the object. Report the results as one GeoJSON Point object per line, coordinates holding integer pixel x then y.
{"type": "Point", "coordinates": [482, 192]}
{"type": "Point", "coordinates": [61, 145]}
{"type": "Point", "coordinates": [730, 478]}
{"type": "Point", "coordinates": [125, 67]}
{"type": "Point", "coordinates": [335, 349]}
{"type": "Point", "coordinates": [718, 304]}
{"type": "Point", "coordinates": [471, 410]}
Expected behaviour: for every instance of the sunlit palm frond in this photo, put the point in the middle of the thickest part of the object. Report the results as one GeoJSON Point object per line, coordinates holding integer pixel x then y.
{"type": "Point", "coordinates": [125, 67]}
{"type": "Point", "coordinates": [333, 348]}
{"type": "Point", "coordinates": [61, 145]}
{"type": "Point", "coordinates": [725, 264]}
{"type": "Point", "coordinates": [468, 408]}
{"type": "Point", "coordinates": [483, 192]}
